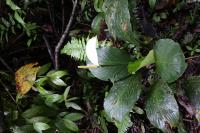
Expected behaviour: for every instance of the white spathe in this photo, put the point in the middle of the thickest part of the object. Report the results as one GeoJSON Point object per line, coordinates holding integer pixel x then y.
{"type": "Point", "coordinates": [91, 50]}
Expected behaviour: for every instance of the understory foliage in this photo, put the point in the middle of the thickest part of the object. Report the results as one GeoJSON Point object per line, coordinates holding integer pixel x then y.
{"type": "Point", "coordinates": [130, 74]}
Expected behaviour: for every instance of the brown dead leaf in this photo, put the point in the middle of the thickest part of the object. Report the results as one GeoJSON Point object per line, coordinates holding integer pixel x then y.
{"type": "Point", "coordinates": [25, 77]}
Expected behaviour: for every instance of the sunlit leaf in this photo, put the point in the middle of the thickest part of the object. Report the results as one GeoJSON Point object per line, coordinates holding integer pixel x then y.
{"type": "Point", "coordinates": [25, 77]}
{"type": "Point", "coordinates": [161, 106]}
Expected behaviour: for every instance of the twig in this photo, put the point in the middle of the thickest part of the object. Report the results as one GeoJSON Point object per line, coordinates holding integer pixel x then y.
{"type": "Point", "coordinates": [6, 65]}
{"type": "Point", "coordinates": [7, 90]}
{"type": "Point", "coordinates": [63, 15]}
{"type": "Point", "coordinates": [60, 43]}
{"type": "Point", "coordinates": [52, 20]}
{"type": "Point", "coordinates": [49, 49]}
{"type": "Point", "coordinates": [192, 57]}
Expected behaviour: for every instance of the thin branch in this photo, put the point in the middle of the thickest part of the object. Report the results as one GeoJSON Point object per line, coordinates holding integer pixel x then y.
{"type": "Point", "coordinates": [49, 49]}
{"type": "Point", "coordinates": [6, 65]}
{"type": "Point", "coordinates": [63, 15]}
{"type": "Point", "coordinates": [60, 43]}
{"type": "Point", "coordinates": [52, 20]}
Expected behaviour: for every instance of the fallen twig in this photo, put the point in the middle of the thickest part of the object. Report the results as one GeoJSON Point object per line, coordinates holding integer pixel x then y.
{"type": "Point", "coordinates": [60, 43]}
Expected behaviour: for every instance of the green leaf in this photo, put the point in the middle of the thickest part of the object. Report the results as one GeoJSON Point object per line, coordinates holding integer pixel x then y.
{"type": "Point", "coordinates": [74, 116]}
{"type": "Point", "coordinates": [161, 106]}
{"type": "Point", "coordinates": [19, 19]}
{"type": "Point", "coordinates": [40, 126]}
{"type": "Point", "coordinates": [72, 105]}
{"type": "Point", "coordinates": [12, 5]}
{"type": "Point", "coordinates": [192, 91]}
{"type": "Point", "coordinates": [122, 97]}
{"type": "Point", "coordinates": [57, 74]}
{"type": "Point", "coordinates": [52, 98]}
{"type": "Point", "coordinates": [113, 64]}
{"type": "Point", "coordinates": [43, 69]}
{"type": "Point", "coordinates": [38, 119]}
{"type": "Point", "coordinates": [33, 111]}
{"type": "Point", "coordinates": [65, 94]}
{"type": "Point", "coordinates": [97, 22]}
{"type": "Point", "coordinates": [23, 129]}
{"type": "Point", "coordinates": [71, 125]}
{"type": "Point", "coordinates": [58, 82]}
{"type": "Point", "coordinates": [170, 60]}
{"type": "Point", "coordinates": [117, 17]}
{"type": "Point", "coordinates": [152, 3]}
{"type": "Point", "coordinates": [124, 125]}
{"type": "Point", "coordinates": [135, 66]}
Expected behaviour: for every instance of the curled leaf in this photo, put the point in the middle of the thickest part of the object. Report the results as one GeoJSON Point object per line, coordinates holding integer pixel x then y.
{"type": "Point", "coordinates": [25, 77]}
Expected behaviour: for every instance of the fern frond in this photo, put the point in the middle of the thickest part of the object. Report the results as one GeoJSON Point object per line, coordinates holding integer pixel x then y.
{"type": "Point", "coordinates": [76, 49]}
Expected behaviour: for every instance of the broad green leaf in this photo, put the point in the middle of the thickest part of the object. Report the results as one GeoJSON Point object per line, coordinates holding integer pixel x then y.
{"type": "Point", "coordinates": [113, 64]}
{"type": "Point", "coordinates": [71, 125]}
{"type": "Point", "coordinates": [170, 60]}
{"type": "Point", "coordinates": [12, 5]}
{"type": "Point", "coordinates": [74, 116]}
{"type": "Point", "coordinates": [122, 97]}
{"type": "Point", "coordinates": [152, 3]}
{"type": "Point", "coordinates": [40, 126]}
{"type": "Point", "coordinates": [117, 17]}
{"type": "Point", "coordinates": [161, 106]}
{"type": "Point", "coordinates": [192, 91]}
{"type": "Point", "coordinates": [135, 66]}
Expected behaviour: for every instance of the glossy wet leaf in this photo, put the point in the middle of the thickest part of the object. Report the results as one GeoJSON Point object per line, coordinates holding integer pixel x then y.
{"type": "Point", "coordinates": [12, 5]}
{"type": "Point", "coordinates": [161, 106]}
{"type": "Point", "coordinates": [74, 116]}
{"type": "Point", "coordinates": [122, 97]}
{"type": "Point", "coordinates": [169, 59]}
{"type": "Point", "coordinates": [135, 66]}
{"type": "Point", "coordinates": [25, 77]}
{"type": "Point", "coordinates": [113, 64]}
{"type": "Point", "coordinates": [40, 126]}
{"type": "Point", "coordinates": [192, 91]}
{"type": "Point", "coordinates": [70, 125]}
{"type": "Point", "coordinates": [117, 17]}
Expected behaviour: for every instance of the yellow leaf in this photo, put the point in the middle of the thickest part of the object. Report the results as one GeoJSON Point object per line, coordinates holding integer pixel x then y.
{"type": "Point", "coordinates": [25, 77]}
